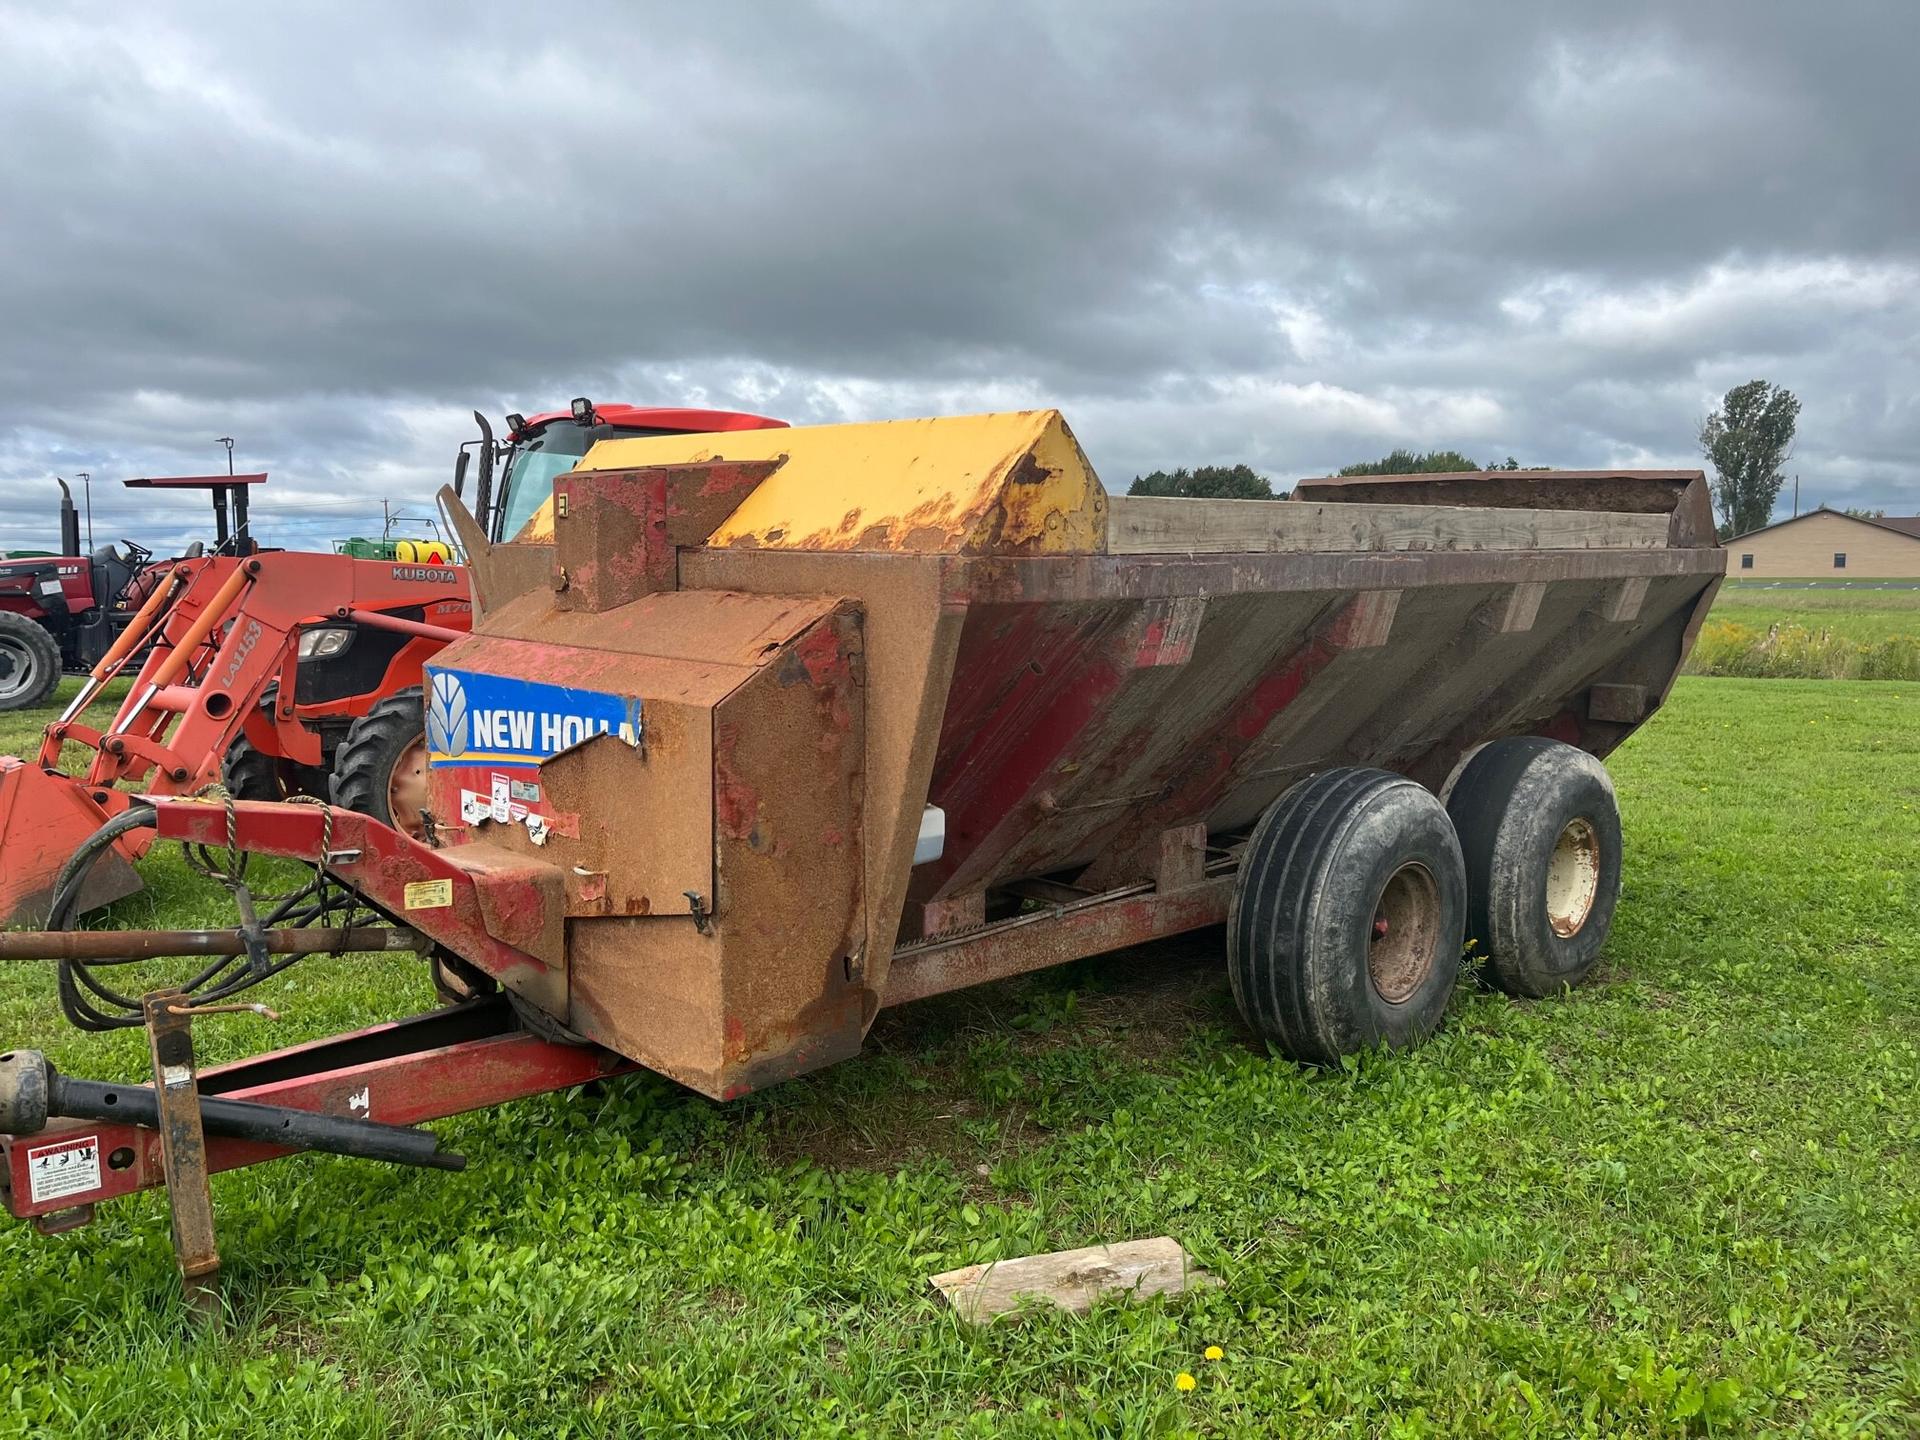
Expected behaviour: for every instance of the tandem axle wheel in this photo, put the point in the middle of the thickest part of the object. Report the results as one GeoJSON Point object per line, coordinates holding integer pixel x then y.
{"type": "Point", "coordinates": [1359, 891]}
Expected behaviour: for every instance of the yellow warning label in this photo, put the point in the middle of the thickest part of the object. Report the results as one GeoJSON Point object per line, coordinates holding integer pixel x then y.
{"type": "Point", "coordinates": [428, 895]}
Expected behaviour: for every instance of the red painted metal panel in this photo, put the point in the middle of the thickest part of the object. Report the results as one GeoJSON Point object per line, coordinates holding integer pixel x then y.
{"type": "Point", "coordinates": [499, 912]}
{"type": "Point", "coordinates": [405, 1089]}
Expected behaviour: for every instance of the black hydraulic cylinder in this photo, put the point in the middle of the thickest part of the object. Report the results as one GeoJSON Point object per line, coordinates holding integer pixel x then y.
{"type": "Point", "coordinates": [31, 1090]}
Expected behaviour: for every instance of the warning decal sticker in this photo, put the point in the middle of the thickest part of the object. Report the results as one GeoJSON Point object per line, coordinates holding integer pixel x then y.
{"type": "Point", "coordinates": [427, 894]}
{"type": "Point", "coordinates": [66, 1167]}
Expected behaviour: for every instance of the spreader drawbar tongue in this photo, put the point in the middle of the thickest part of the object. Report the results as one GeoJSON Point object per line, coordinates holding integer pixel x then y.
{"type": "Point", "coordinates": [31, 1090]}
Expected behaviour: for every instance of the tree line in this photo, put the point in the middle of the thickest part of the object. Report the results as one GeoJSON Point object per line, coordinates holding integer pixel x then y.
{"type": "Point", "coordinates": [1747, 439]}
{"type": "Point", "coordinates": [1243, 482]}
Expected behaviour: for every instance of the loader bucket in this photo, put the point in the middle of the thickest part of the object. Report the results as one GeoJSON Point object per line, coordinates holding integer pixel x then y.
{"type": "Point", "coordinates": [44, 817]}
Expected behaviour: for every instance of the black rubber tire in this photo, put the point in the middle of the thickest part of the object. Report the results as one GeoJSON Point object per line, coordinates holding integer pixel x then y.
{"type": "Point", "coordinates": [1301, 940]}
{"type": "Point", "coordinates": [249, 774]}
{"type": "Point", "coordinates": [363, 765]}
{"type": "Point", "coordinates": [31, 659]}
{"type": "Point", "coordinates": [1513, 805]}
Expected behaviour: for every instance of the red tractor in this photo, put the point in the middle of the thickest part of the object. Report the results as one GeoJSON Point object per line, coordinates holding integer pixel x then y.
{"type": "Point", "coordinates": [280, 672]}
{"type": "Point", "coordinates": [60, 613]}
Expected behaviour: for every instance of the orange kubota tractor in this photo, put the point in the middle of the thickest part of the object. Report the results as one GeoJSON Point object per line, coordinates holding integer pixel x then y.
{"type": "Point", "coordinates": [281, 672]}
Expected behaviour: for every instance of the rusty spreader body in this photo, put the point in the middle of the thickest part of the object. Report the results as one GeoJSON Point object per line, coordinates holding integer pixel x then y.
{"type": "Point", "coordinates": [760, 733]}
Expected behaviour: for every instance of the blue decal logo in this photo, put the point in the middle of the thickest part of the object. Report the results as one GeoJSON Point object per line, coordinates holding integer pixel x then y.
{"type": "Point", "coordinates": [474, 718]}
{"type": "Point", "coordinates": [447, 714]}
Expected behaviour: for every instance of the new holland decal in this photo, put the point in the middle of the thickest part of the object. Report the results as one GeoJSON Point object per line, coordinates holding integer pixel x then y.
{"type": "Point", "coordinates": [487, 734]}
{"type": "Point", "coordinates": [481, 720]}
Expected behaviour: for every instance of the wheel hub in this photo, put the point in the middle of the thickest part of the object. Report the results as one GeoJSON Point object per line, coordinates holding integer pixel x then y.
{"type": "Point", "coordinates": [407, 789]}
{"type": "Point", "coordinates": [1573, 878]}
{"type": "Point", "coordinates": [16, 667]}
{"type": "Point", "coordinates": [1405, 933]}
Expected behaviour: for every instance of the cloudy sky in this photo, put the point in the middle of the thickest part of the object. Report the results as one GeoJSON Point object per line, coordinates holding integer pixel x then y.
{"type": "Point", "coordinates": [1291, 235]}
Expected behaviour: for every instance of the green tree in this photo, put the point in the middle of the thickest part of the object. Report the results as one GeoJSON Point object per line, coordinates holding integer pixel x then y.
{"type": "Point", "coordinates": [1216, 482]}
{"type": "Point", "coordinates": [1748, 439]}
{"type": "Point", "coordinates": [1862, 514]}
{"type": "Point", "coordinates": [1405, 462]}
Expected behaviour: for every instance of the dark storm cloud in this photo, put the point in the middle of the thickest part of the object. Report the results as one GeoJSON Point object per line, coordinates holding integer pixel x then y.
{"type": "Point", "coordinates": [1215, 232]}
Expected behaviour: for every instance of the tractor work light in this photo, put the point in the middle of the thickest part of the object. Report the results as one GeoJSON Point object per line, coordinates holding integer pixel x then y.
{"type": "Point", "coordinates": [324, 644]}
{"type": "Point", "coordinates": [515, 424]}
{"type": "Point", "coordinates": [582, 410]}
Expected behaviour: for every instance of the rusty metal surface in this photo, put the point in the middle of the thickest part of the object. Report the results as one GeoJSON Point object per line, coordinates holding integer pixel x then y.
{"type": "Point", "coordinates": [630, 825]}
{"type": "Point", "coordinates": [774, 982]}
{"type": "Point", "coordinates": [1264, 697]}
{"type": "Point", "coordinates": [1097, 700]}
{"type": "Point", "coordinates": [1068, 932]}
{"type": "Point", "coordinates": [1644, 492]}
{"type": "Point", "coordinates": [617, 533]}
{"type": "Point", "coordinates": [911, 635]}
{"type": "Point", "coordinates": [708, 627]}
{"type": "Point", "coordinates": [183, 1148]}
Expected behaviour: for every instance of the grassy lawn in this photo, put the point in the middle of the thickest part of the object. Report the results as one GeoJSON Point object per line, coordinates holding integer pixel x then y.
{"type": "Point", "coordinates": [1855, 614]}
{"type": "Point", "coordinates": [1685, 1199]}
{"type": "Point", "coordinates": [1755, 631]}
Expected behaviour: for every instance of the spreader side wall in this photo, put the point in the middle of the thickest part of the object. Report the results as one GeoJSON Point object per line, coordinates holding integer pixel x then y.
{"type": "Point", "coordinates": [1085, 723]}
{"type": "Point", "coordinates": [1098, 703]}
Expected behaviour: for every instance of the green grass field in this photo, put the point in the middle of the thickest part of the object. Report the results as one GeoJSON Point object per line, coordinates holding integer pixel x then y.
{"type": "Point", "coordinates": [1756, 631]}
{"type": "Point", "coordinates": [1683, 1200]}
{"type": "Point", "coordinates": [1860, 615]}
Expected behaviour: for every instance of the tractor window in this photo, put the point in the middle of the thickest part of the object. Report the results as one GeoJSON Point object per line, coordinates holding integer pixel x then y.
{"type": "Point", "coordinates": [528, 481]}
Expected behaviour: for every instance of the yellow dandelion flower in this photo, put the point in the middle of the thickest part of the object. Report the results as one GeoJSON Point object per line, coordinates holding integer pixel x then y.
{"type": "Point", "coordinates": [1214, 1352]}
{"type": "Point", "coordinates": [1184, 1381]}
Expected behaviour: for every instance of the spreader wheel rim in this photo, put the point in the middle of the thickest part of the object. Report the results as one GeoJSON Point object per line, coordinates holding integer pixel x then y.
{"type": "Point", "coordinates": [1573, 877]}
{"type": "Point", "coordinates": [1406, 933]}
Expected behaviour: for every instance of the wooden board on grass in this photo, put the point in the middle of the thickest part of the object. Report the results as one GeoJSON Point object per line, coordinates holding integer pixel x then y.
{"type": "Point", "coordinates": [1072, 1279]}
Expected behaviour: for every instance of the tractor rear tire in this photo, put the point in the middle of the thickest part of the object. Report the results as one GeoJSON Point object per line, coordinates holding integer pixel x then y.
{"type": "Point", "coordinates": [29, 662]}
{"type": "Point", "coordinates": [1540, 830]}
{"type": "Point", "coordinates": [250, 774]}
{"type": "Point", "coordinates": [1347, 915]}
{"type": "Point", "coordinates": [381, 767]}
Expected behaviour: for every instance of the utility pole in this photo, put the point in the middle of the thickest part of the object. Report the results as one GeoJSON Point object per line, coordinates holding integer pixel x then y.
{"type": "Point", "coordinates": [1796, 495]}
{"type": "Point", "coordinates": [86, 482]}
{"type": "Point", "coordinates": [386, 520]}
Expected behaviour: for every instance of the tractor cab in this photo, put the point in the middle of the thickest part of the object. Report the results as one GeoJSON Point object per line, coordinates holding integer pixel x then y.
{"type": "Point", "coordinates": [540, 447]}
